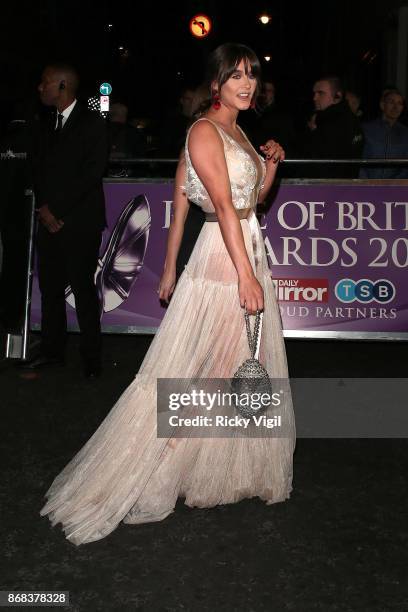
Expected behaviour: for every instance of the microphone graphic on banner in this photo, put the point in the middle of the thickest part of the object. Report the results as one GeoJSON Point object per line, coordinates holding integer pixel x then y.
{"type": "Point", "coordinates": [122, 261]}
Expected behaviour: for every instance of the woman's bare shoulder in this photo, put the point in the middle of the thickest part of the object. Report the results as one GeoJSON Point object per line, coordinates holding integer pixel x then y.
{"type": "Point", "coordinates": [204, 131]}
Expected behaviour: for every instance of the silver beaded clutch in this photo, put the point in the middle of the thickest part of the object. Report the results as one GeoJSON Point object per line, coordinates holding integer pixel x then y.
{"type": "Point", "coordinates": [251, 377]}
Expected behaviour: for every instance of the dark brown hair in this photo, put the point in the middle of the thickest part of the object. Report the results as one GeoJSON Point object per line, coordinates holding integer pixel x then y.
{"type": "Point", "coordinates": [222, 64]}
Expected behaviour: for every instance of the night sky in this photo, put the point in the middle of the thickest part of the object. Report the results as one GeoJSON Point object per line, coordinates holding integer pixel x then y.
{"type": "Point", "coordinates": [304, 39]}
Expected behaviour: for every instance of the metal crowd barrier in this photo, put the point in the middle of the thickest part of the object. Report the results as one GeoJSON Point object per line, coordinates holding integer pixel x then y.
{"type": "Point", "coordinates": [134, 161]}
{"type": "Point", "coordinates": [17, 344]}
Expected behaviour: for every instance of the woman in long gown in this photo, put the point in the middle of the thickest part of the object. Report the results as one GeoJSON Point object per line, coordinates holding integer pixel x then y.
{"type": "Point", "coordinates": [125, 472]}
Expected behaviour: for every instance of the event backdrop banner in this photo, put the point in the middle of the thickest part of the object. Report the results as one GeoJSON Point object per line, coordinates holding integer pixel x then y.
{"type": "Point", "coordinates": [338, 255]}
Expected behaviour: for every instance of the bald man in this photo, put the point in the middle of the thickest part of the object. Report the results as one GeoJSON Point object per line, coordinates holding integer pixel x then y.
{"type": "Point", "coordinates": [71, 162]}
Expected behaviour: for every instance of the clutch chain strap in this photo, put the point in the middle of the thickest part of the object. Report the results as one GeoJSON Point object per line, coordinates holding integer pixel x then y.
{"type": "Point", "coordinates": [253, 338]}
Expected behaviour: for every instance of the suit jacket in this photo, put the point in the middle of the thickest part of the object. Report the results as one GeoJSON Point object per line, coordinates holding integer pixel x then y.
{"type": "Point", "coordinates": [338, 135]}
{"type": "Point", "coordinates": [69, 167]}
{"type": "Point", "coordinates": [383, 140]}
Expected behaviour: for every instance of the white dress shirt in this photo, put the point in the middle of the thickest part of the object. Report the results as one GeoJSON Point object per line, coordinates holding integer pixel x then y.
{"type": "Point", "coordinates": [65, 114]}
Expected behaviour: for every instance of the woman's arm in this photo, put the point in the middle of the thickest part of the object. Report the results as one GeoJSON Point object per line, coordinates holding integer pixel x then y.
{"type": "Point", "coordinates": [175, 235]}
{"type": "Point", "coordinates": [207, 155]}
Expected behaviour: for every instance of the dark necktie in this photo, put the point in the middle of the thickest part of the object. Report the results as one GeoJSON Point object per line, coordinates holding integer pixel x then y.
{"type": "Point", "coordinates": [60, 117]}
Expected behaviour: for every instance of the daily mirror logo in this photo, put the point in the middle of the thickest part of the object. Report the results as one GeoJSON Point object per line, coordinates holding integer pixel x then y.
{"type": "Point", "coordinates": [302, 289]}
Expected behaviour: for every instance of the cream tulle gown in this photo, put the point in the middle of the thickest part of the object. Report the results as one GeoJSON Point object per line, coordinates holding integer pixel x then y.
{"type": "Point", "coordinates": [124, 472]}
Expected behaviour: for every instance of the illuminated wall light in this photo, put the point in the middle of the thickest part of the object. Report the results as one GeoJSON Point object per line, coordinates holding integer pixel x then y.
{"type": "Point", "coordinates": [267, 58]}
{"type": "Point", "coordinates": [200, 26]}
{"type": "Point", "coordinates": [264, 19]}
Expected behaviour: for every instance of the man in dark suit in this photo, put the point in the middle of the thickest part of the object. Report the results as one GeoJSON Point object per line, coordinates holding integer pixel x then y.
{"type": "Point", "coordinates": [333, 131]}
{"type": "Point", "coordinates": [71, 160]}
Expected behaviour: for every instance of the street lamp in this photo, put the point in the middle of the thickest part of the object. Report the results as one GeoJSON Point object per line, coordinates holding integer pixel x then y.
{"type": "Point", "coordinates": [264, 18]}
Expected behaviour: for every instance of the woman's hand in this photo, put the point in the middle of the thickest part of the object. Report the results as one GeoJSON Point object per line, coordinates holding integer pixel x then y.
{"type": "Point", "coordinates": [167, 284]}
{"type": "Point", "coordinates": [251, 294]}
{"type": "Point", "coordinates": [273, 152]}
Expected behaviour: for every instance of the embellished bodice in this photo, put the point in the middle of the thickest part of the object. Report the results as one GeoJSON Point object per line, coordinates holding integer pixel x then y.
{"type": "Point", "coordinates": [246, 176]}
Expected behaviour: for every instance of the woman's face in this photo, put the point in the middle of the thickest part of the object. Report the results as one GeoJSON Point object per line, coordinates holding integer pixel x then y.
{"type": "Point", "coordinates": [237, 92]}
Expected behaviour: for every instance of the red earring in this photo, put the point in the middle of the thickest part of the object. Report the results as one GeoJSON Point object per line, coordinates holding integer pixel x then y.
{"type": "Point", "coordinates": [216, 101]}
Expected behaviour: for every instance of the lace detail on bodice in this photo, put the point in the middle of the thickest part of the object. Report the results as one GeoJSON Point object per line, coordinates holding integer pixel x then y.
{"type": "Point", "coordinates": [245, 177]}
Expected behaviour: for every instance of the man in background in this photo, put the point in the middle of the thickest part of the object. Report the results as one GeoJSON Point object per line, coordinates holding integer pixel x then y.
{"type": "Point", "coordinates": [125, 141]}
{"type": "Point", "coordinates": [333, 131]}
{"type": "Point", "coordinates": [386, 137]}
{"type": "Point", "coordinates": [172, 132]}
{"type": "Point", "coordinates": [273, 122]}
{"type": "Point", "coordinates": [68, 172]}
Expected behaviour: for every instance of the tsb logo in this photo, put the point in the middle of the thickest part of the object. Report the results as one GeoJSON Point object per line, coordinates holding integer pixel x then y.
{"type": "Point", "coordinates": [364, 291]}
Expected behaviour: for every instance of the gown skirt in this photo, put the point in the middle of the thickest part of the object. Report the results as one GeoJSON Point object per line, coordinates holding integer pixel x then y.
{"type": "Point", "coordinates": [125, 472]}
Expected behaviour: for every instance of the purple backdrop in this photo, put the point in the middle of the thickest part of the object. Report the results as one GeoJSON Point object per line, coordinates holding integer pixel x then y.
{"type": "Point", "coordinates": [339, 254]}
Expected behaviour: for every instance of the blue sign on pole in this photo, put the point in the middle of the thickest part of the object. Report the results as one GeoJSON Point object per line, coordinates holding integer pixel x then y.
{"type": "Point", "coordinates": [105, 89]}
